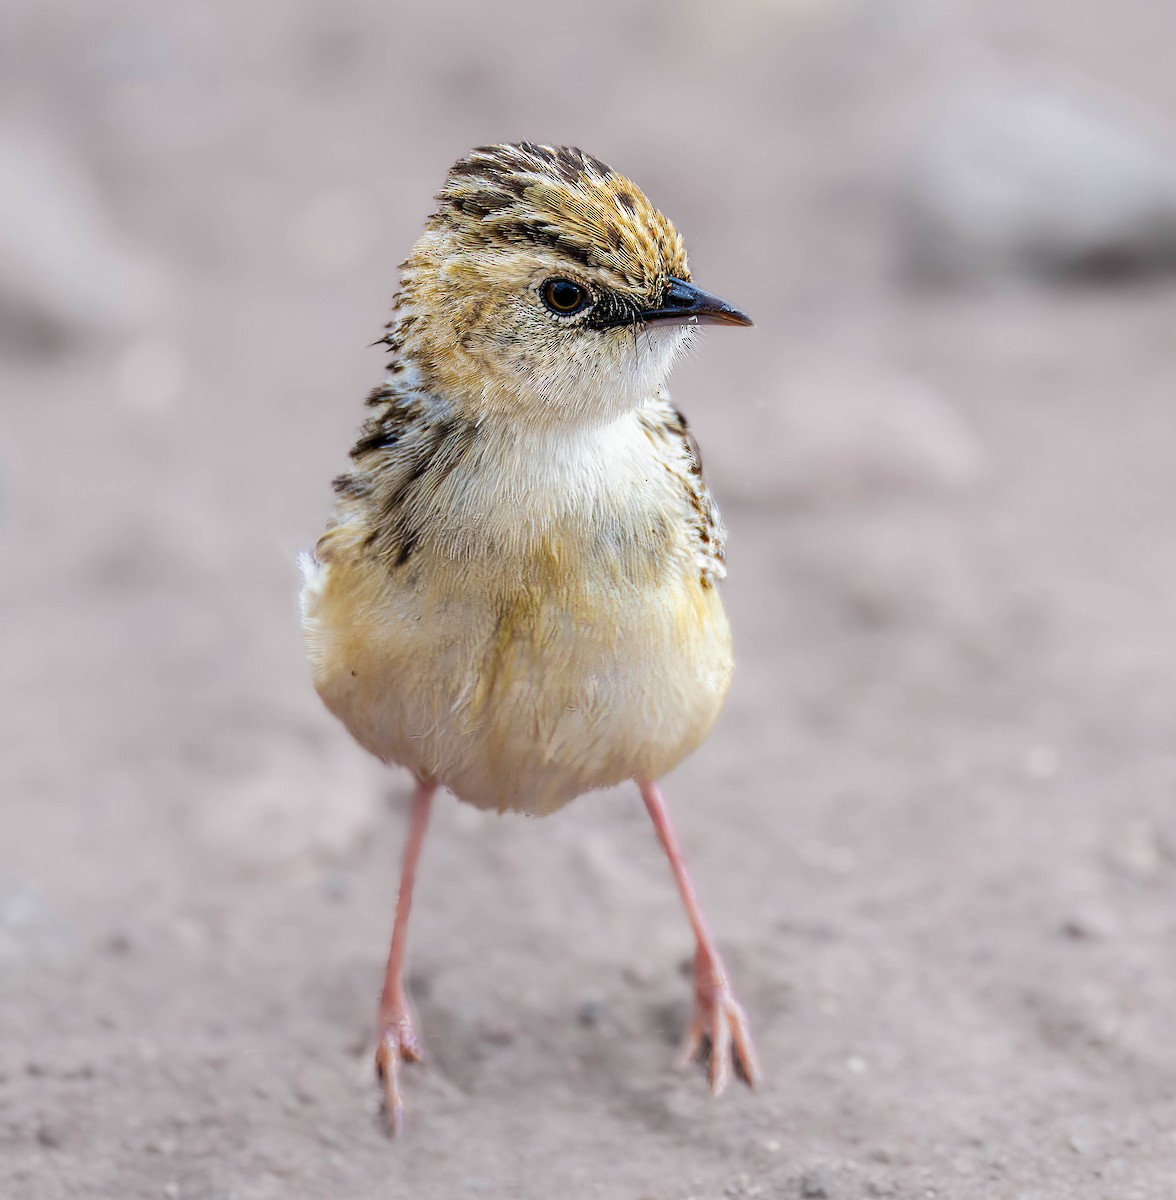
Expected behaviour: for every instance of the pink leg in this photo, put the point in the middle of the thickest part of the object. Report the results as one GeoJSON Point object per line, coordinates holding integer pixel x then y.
{"type": "Point", "coordinates": [718, 1018]}
{"type": "Point", "coordinates": [398, 1039]}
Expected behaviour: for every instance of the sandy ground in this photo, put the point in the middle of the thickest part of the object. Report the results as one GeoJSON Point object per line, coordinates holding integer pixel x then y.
{"type": "Point", "coordinates": [935, 827]}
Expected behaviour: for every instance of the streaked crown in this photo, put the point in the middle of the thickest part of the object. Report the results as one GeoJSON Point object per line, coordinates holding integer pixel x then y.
{"type": "Point", "coordinates": [568, 201]}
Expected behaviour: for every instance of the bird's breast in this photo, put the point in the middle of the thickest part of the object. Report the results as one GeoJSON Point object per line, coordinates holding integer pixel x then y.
{"type": "Point", "coordinates": [549, 636]}
{"type": "Point", "coordinates": [518, 696]}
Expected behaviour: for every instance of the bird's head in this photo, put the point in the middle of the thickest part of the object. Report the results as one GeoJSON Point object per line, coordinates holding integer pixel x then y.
{"type": "Point", "coordinates": [547, 288]}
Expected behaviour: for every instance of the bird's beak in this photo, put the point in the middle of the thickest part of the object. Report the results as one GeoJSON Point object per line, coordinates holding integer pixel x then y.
{"type": "Point", "coordinates": [684, 304]}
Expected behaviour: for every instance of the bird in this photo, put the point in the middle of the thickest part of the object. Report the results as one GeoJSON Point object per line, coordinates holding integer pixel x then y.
{"type": "Point", "coordinates": [516, 596]}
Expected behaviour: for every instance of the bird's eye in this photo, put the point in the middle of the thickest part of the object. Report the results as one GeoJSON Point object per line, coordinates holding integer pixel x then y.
{"type": "Point", "coordinates": [565, 297]}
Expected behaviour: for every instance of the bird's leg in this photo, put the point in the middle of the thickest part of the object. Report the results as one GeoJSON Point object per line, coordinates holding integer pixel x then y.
{"type": "Point", "coordinates": [398, 1039]}
{"type": "Point", "coordinates": [719, 1020]}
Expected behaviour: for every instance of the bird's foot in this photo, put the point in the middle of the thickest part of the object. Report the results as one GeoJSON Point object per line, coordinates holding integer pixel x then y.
{"type": "Point", "coordinates": [720, 1027]}
{"type": "Point", "coordinates": [398, 1044]}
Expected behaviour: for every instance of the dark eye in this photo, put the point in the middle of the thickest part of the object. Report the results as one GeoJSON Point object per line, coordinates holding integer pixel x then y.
{"type": "Point", "coordinates": [565, 297]}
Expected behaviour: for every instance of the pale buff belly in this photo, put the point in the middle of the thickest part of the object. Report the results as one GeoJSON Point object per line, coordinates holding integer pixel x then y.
{"type": "Point", "coordinates": [516, 700]}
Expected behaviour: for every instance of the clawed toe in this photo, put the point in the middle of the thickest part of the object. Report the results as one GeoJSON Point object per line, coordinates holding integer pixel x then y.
{"type": "Point", "coordinates": [398, 1045]}
{"type": "Point", "coordinates": [720, 1032]}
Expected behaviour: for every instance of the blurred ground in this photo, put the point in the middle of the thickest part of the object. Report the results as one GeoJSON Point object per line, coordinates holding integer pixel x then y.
{"type": "Point", "coordinates": [935, 827]}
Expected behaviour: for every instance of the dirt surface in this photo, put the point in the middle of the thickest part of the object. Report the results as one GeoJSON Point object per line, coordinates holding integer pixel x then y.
{"type": "Point", "coordinates": [935, 827]}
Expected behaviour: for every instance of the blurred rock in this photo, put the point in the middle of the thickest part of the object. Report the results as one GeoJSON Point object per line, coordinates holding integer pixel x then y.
{"type": "Point", "coordinates": [28, 930]}
{"type": "Point", "coordinates": [1091, 923]}
{"type": "Point", "coordinates": [1035, 179]}
{"type": "Point", "coordinates": [839, 430]}
{"type": "Point", "coordinates": [1136, 852]}
{"type": "Point", "coordinates": [66, 275]}
{"type": "Point", "coordinates": [1042, 762]}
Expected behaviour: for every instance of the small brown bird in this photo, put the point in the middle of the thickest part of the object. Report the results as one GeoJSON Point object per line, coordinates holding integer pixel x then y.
{"type": "Point", "coordinates": [516, 597]}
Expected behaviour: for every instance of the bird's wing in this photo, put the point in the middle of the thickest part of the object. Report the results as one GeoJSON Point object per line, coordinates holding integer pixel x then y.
{"type": "Point", "coordinates": [669, 428]}
{"type": "Point", "coordinates": [406, 448]}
